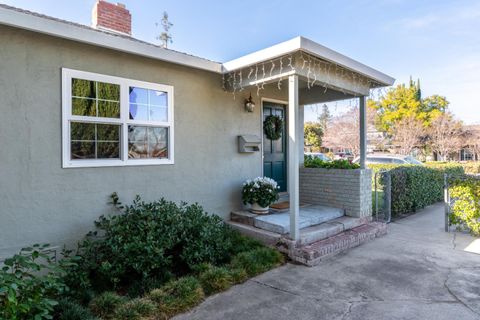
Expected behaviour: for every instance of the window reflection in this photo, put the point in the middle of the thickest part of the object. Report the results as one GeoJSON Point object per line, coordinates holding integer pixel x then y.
{"type": "Point", "coordinates": [95, 141]}
{"type": "Point", "coordinates": [147, 104]}
{"type": "Point", "coordinates": [147, 142]}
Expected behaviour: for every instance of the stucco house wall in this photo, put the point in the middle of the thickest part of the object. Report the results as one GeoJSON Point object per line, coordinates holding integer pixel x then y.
{"type": "Point", "coordinates": [42, 202]}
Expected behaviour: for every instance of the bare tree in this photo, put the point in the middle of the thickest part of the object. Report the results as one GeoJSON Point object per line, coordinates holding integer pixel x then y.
{"type": "Point", "coordinates": [343, 132]}
{"type": "Point", "coordinates": [445, 135]}
{"type": "Point", "coordinates": [472, 140]}
{"type": "Point", "coordinates": [407, 134]}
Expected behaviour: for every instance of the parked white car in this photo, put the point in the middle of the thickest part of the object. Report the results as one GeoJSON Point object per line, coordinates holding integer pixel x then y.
{"type": "Point", "coordinates": [318, 155]}
{"type": "Point", "coordinates": [389, 159]}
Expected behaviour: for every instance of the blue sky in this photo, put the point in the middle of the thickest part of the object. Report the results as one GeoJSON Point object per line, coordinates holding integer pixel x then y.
{"type": "Point", "coordinates": [436, 41]}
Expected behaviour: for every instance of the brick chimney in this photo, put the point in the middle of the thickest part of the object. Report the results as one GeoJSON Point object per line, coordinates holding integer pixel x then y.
{"type": "Point", "coordinates": [111, 17]}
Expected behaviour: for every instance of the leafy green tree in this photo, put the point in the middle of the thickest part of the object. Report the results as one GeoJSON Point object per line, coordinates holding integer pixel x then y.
{"type": "Point", "coordinates": [403, 102]}
{"type": "Point", "coordinates": [313, 134]}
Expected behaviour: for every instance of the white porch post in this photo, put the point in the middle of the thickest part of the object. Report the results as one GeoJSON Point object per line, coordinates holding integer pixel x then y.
{"type": "Point", "coordinates": [293, 164]}
{"type": "Point", "coordinates": [363, 131]}
{"type": "Point", "coordinates": [301, 140]}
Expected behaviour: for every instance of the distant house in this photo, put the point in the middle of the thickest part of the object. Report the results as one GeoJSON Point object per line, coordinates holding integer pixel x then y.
{"type": "Point", "coordinates": [87, 111]}
{"type": "Point", "coordinates": [470, 150]}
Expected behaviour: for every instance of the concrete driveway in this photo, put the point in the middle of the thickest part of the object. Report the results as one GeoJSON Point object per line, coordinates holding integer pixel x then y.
{"type": "Point", "coordinates": [417, 271]}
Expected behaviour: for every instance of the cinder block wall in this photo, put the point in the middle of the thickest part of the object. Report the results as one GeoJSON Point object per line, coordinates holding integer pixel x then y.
{"type": "Point", "coordinates": [350, 190]}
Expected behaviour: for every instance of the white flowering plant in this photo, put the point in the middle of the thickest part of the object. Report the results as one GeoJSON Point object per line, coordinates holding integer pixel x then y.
{"type": "Point", "coordinates": [261, 190]}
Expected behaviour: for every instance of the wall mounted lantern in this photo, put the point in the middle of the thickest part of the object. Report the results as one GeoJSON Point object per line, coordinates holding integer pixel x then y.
{"type": "Point", "coordinates": [249, 104]}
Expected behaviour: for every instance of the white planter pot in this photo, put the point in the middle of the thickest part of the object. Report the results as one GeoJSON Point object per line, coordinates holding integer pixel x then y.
{"type": "Point", "coordinates": [256, 208]}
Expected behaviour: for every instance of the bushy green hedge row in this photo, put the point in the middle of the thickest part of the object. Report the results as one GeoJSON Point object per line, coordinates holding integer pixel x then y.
{"type": "Point", "coordinates": [415, 187]}
{"type": "Point", "coordinates": [149, 260]}
{"type": "Point", "coordinates": [465, 211]}
{"type": "Point", "coordinates": [313, 162]}
{"type": "Point", "coordinates": [470, 167]}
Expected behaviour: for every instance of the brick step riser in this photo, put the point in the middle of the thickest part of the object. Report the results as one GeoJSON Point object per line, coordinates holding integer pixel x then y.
{"type": "Point", "coordinates": [311, 255]}
{"type": "Point", "coordinates": [336, 228]}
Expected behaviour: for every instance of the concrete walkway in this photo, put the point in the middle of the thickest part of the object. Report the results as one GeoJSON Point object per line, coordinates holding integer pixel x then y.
{"type": "Point", "coordinates": [417, 271]}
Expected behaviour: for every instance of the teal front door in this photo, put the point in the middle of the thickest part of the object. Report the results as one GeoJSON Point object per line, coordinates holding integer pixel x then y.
{"type": "Point", "coordinates": [274, 151]}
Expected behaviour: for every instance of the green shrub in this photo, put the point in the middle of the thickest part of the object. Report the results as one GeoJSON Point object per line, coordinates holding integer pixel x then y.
{"type": "Point", "coordinates": [238, 275]}
{"type": "Point", "coordinates": [451, 168]}
{"type": "Point", "coordinates": [415, 187]}
{"type": "Point", "coordinates": [241, 243]}
{"type": "Point", "coordinates": [178, 296]}
{"type": "Point", "coordinates": [106, 303]}
{"type": "Point", "coordinates": [30, 283]}
{"type": "Point", "coordinates": [150, 240]}
{"type": "Point", "coordinates": [257, 261]}
{"type": "Point", "coordinates": [471, 167]}
{"type": "Point", "coordinates": [313, 162]}
{"type": "Point", "coordinates": [70, 310]}
{"type": "Point", "coordinates": [135, 309]}
{"type": "Point", "coordinates": [215, 279]}
{"type": "Point", "coordinates": [465, 213]}
{"type": "Point", "coordinates": [141, 287]}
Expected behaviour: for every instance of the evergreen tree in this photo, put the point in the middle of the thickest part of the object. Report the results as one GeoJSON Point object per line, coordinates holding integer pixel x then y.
{"type": "Point", "coordinates": [418, 91]}
{"type": "Point", "coordinates": [324, 117]}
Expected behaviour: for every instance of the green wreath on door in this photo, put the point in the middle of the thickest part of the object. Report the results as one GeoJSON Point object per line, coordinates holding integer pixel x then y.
{"type": "Point", "coordinates": [273, 127]}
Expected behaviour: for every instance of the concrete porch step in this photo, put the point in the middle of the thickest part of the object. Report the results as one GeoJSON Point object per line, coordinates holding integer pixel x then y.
{"type": "Point", "coordinates": [266, 237]}
{"type": "Point", "coordinates": [329, 229]}
{"type": "Point", "coordinates": [308, 216]}
{"type": "Point", "coordinates": [312, 254]}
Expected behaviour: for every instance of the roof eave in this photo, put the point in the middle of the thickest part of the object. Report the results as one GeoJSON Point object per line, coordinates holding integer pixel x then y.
{"type": "Point", "coordinates": [323, 52]}
{"type": "Point", "coordinates": [76, 33]}
{"type": "Point", "coordinates": [311, 47]}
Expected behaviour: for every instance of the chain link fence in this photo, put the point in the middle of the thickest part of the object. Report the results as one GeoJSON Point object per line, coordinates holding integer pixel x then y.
{"type": "Point", "coordinates": [382, 199]}
{"type": "Point", "coordinates": [451, 182]}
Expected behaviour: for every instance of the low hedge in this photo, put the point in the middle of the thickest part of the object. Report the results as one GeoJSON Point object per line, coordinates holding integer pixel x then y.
{"type": "Point", "coordinates": [313, 162]}
{"type": "Point", "coordinates": [465, 210]}
{"type": "Point", "coordinates": [415, 187]}
{"type": "Point", "coordinates": [150, 260]}
{"type": "Point", "coordinates": [469, 167]}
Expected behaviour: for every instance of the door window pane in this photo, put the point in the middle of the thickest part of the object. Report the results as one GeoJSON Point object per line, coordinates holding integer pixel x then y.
{"type": "Point", "coordinates": [147, 142]}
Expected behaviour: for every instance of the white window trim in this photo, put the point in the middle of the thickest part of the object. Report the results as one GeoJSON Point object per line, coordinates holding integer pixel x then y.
{"type": "Point", "coordinates": [67, 117]}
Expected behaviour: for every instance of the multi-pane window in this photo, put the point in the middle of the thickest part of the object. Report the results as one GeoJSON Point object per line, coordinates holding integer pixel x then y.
{"type": "Point", "coordinates": [110, 121]}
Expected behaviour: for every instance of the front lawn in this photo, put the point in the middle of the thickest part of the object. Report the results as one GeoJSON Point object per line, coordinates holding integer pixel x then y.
{"type": "Point", "coordinates": [149, 260]}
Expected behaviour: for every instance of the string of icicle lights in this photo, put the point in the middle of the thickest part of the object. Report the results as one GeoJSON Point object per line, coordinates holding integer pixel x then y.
{"type": "Point", "coordinates": [274, 71]}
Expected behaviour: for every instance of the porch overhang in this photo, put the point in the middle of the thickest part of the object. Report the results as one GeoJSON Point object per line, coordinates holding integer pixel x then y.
{"type": "Point", "coordinates": [311, 73]}
{"type": "Point", "coordinates": [314, 64]}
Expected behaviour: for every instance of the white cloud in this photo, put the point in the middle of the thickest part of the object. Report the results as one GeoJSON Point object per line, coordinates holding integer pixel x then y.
{"type": "Point", "coordinates": [453, 16]}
